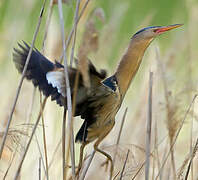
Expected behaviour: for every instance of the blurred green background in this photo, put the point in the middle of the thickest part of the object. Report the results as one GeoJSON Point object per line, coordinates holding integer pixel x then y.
{"type": "Point", "coordinates": [122, 18]}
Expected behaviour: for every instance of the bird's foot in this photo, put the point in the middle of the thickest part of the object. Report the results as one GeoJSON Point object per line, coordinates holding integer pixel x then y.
{"type": "Point", "coordinates": [105, 164]}
{"type": "Point", "coordinates": [69, 166]}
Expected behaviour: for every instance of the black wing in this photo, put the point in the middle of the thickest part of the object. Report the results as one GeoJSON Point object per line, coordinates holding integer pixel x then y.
{"type": "Point", "coordinates": [38, 68]}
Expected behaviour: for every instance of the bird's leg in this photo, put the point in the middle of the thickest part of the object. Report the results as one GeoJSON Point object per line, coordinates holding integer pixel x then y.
{"type": "Point", "coordinates": [105, 154]}
{"type": "Point", "coordinates": [81, 157]}
{"type": "Point", "coordinates": [100, 138]}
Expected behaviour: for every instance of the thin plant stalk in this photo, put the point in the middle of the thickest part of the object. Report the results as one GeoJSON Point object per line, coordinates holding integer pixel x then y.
{"type": "Point", "coordinates": [29, 115]}
{"type": "Point", "coordinates": [71, 60]}
{"type": "Point", "coordinates": [85, 169]}
{"type": "Point", "coordinates": [119, 134]}
{"type": "Point", "coordinates": [73, 112]}
{"type": "Point", "coordinates": [72, 31]}
{"type": "Point", "coordinates": [122, 172]}
{"type": "Point", "coordinates": [121, 127]}
{"type": "Point", "coordinates": [68, 90]}
{"type": "Point", "coordinates": [161, 141]}
{"type": "Point", "coordinates": [190, 82]}
{"type": "Point", "coordinates": [191, 140]}
{"type": "Point", "coordinates": [44, 139]}
{"type": "Point", "coordinates": [176, 136]}
{"type": "Point", "coordinates": [11, 161]}
{"type": "Point", "coordinates": [34, 91]}
{"type": "Point", "coordinates": [173, 163]}
{"type": "Point", "coordinates": [163, 157]}
{"type": "Point", "coordinates": [30, 140]}
{"type": "Point", "coordinates": [41, 156]}
{"type": "Point", "coordinates": [134, 177]}
{"type": "Point", "coordinates": [75, 31]}
{"type": "Point", "coordinates": [63, 143]}
{"type": "Point", "coordinates": [166, 93]}
{"type": "Point", "coordinates": [149, 125]}
{"type": "Point", "coordinates": [22, 78]}
{"type": "Point", "coordinates": [31, 106]}
{"type": "Point", "coordinates": [43, 51]}
{"type": "Point", "coordinates": [51, 5]}
{"type": "Point", "coordinates": [39, 170]}
{"type": "Point", "coordinates": [191, 160]}
{"type": "Point", "coordinates": [153, 168]}
{"type": "Point", "coordinates": [43, 46]}
{"type": "Point", "coordinates": [155, 152]}
{"type": "Point", "coordinates": [71, 134]}
{"type": "Point", "coordinates": [156, 148]}
{"type": "Point", "coordinates": [53, 155]}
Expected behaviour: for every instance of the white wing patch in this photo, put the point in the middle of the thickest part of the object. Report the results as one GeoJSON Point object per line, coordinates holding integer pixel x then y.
{"type": "Point", "coordinates": [57, 80]}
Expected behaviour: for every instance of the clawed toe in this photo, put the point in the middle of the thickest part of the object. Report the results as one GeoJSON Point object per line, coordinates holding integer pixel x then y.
{"type": "Point", "coordinates": [105, 164]}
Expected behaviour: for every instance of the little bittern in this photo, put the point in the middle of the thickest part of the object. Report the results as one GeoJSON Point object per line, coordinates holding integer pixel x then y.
{"type": "Point", "coordinates": [98, 106]}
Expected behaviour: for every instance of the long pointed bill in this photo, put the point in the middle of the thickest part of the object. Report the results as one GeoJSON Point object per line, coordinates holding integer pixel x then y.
{"type": "Point", "coordinates": [167, 28]}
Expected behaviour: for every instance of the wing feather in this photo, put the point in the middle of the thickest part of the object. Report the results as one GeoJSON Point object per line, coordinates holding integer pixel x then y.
{"type": "Point", "coordinates": [57, 80]}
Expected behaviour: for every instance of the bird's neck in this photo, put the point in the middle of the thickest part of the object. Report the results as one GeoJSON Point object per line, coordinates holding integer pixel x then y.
{"type": "Point", "coordinates": [130, 63]}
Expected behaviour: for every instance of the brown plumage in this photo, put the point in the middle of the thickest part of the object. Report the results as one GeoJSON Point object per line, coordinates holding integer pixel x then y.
{"type": "Point", "coordinates": [99, 105]}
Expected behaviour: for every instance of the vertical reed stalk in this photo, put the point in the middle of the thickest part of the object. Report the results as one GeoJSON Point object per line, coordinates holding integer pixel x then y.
{"type": "Point", "coordinates": [63, 143]}
{"type": "Point", "coordinates": [149, 125]}
{"type": "Point", "coordinates": [68, 90]}
{"type": "Point", "coordinates": [119, 134]}
{"type": "Point", "coordinates": [44, 139]}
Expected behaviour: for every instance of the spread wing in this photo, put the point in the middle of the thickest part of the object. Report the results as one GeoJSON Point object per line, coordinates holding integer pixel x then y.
{"type": "Point", "coordinates": [50, 79]}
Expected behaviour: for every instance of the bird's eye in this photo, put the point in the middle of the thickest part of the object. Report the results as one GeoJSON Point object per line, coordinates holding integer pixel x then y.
{"type": "Point", "coordinates": [155, 30]}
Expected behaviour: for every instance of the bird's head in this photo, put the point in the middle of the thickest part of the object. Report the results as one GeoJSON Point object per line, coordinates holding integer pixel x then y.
{"type": "Point", "coordinates": [151, 32]}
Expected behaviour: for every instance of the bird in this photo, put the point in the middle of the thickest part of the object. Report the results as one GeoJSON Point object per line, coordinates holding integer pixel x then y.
{"type": "Point", "coordinates": [99, 104]}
